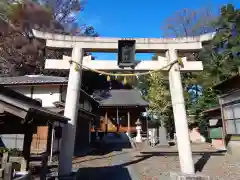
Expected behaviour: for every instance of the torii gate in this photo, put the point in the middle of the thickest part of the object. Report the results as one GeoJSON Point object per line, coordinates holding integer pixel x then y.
{"type": "Point", "coordinates": [170, 47]}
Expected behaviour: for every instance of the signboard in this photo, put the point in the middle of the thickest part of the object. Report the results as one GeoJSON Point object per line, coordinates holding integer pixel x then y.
{"type": "Point", "coordinates": [126, 53]}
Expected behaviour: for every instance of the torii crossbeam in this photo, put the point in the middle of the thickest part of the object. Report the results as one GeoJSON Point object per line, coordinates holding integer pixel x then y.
{"type": "Point", "coordinates": [170, 47]}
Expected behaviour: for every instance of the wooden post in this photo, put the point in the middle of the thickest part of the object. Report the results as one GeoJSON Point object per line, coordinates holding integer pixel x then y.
{"type": "Point", "coordinates": [106, 122]}
{"type": "Point", "coordinates": [44, 164]}
{"type": "Point", "coordinates": [49, 141]}
{"type": "Point", "coordinates": [147, 128]}
{"type": "Point", "coordinates": [117, 120]}
{"type": "Point", "coordinates": [89, 132]}
{"type": "Point", "coordinates": [27, 147]}
{"type": "Point", "coordinates": [224, 132]}
{"type": "Point", "coordinates": [129, 124]}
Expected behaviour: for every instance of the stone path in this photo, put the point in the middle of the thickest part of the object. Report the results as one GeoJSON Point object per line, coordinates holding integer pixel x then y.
{"type": "Point", "coordinates": [104, 166]}
{"type": "Point", "coordinates": [154, 164]}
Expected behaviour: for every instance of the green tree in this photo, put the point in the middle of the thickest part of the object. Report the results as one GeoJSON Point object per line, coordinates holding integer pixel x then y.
{"type": "Point", "coordinates": [159, 98]}
{"type": "Point", "coordinates": [220, 58]}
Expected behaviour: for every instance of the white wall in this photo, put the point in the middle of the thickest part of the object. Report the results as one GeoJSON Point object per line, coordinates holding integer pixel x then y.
{"type": "Point", "coordinates": [47, 94]}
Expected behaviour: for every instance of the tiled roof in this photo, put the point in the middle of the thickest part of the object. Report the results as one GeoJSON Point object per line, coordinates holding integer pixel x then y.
{"type": "Point", "coordinates": [33, 79]}
{"type": "Point", "coordinates": [119, 97]}
{"type": "Point", "coordinates": [37, 80]}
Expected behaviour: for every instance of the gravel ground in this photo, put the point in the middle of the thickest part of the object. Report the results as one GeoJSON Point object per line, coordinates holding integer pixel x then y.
{"type": "Point", "coordinates": [154, 164]}
{"type": "Point", "coordinates": [158, 165]}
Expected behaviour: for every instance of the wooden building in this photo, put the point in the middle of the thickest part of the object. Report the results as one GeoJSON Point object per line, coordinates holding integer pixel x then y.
{"type": "Point", "coordinates": [229, 101]}
{"type": "Point", "coordinates": [224, 121]}
{"type": "Point", "coordinates": [119, 109]}
{"type": "Point", "coordinates": [22, 115]}
{"type": "Point", "coordinates": [51, 92]}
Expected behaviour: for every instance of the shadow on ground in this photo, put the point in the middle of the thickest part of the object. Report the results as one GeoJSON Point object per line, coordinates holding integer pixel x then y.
{"type": "Point", "coordinates": [120, 172]}
{"type": "Point", "coordinates": [199, 165]}
{"type": "Point", "coordinates": [107, 145]}
{"type": "Point", "coordinates": [104, 157]}
{"type": "Point", "coordinates": [109, 172]}
{"type": "Point", "coordinates": [106, 148]}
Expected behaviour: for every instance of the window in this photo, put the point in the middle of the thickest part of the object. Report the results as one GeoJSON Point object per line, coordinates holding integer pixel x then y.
{"type": "Point", "coordinates": [230, 127]}
{"type": "Point", "coordinates": [232, 117]}
{"type": "Point", "coordinates": [228, 113]}
{"type": "Point", "coordinates": [237, 124]}
{"type": "Point", "coordinates": [236, 111]}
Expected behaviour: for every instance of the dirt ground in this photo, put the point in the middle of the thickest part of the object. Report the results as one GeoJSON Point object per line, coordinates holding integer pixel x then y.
{"type": "Point", "coordinates": [155, 163]}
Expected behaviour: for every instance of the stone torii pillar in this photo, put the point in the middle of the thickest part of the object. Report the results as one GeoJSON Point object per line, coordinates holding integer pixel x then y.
{"type": "Point", "coordinates": [180, 116]}
{"type": "Point", "coordinates": [168, 46]}
{"type": "Point", "coordinates": [71, 111]}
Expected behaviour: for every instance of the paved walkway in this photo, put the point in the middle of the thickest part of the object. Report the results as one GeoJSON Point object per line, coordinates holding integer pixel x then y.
{"type": "Point", "coordinates": [109, 163]}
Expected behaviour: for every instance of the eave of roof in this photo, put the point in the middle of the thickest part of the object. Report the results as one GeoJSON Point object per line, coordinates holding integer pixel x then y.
{"type": "Point", "coordinates": [32, 79]}
{"type": "Point", "coordinates": [231, 81]}
{"type": "Point", "coordinates": [28, 104]}
{"type": "Point", "coordinates": [212, 110]}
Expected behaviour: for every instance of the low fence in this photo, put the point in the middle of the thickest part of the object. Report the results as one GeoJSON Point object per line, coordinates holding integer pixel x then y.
{"type": "Point", "coordinates": [15, 168]}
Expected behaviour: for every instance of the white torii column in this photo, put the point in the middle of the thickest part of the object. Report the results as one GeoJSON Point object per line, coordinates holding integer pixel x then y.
{"type": "Point", "coordinates": [71, 112]}
{"type": "Point", "coordinates": [180, 116]}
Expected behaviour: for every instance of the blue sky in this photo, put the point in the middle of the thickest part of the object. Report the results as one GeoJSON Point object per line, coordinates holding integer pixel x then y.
{"type": "Point", "coordinates": [136, 18]}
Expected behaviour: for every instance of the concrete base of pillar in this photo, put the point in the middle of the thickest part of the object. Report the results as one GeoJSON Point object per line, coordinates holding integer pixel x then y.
{"type": "Point", "coordinates": [181, 176]}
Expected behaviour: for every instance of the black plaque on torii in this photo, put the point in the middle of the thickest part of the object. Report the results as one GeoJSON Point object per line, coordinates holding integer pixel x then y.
{"type": "Point", "coordinates": [126, 53]}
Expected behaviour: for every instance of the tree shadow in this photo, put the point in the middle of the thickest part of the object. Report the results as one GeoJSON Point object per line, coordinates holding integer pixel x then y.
{"type": "Point", "coordinates": [117, 172]}
{"type": "Point", "coordinates": [120, 172]}
{"type": "Point", "coordinates": [109, 172]}
{"type": "Point", "coordinates": [105, 157]}
{"type": "Point", "coordinates": [106, 146]}
{"type": "Point", "coordinates": [199, 165]}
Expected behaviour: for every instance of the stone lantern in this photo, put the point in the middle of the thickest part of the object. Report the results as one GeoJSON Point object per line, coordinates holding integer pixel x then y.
{"type": "Point", "coordinates": [138, 128]}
